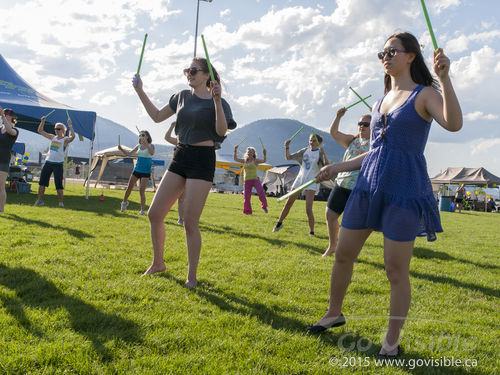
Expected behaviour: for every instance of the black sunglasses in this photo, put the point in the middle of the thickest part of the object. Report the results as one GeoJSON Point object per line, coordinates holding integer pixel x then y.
{"type": "Point", "coordinates": [391, 52]}
{"type": "Point", "coordinates": [192, 71]}
{"type": "Point", "coordinates": [364, 123]}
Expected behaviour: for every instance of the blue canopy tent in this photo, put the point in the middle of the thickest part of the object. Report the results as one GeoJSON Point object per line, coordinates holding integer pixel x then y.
{"type": "Point", "coordinates": [29, 106]}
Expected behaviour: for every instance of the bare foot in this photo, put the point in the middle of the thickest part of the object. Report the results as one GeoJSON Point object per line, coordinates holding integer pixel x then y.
{"type": "Point", "coordinates": [191, 284]}
{"type": "Point", "coordinates": [328, 252]}
{"type": "Point", "coordinates": [154, 269]}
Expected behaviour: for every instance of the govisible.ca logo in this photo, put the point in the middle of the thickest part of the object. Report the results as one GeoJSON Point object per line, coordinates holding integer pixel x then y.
{"type": "Point", "coordinates": [439, 341]}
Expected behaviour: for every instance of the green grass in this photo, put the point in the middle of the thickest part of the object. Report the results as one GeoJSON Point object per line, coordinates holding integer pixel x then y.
{"type": "Point", "coordinates": [72, 300]}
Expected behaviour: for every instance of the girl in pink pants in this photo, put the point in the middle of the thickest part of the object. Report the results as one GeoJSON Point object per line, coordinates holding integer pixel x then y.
{"type": "Point", "coordinates": [251, 179]}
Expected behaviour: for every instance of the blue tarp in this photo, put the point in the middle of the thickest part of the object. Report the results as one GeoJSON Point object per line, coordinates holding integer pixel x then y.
{"type": "Point", "coordinates": [19, 148]}
{"type": "Point", "coordinates": [29, 105]}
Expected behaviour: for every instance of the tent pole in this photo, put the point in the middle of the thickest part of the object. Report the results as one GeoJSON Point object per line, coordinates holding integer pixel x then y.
{"type": "Point", "coordinates": [90, 159]}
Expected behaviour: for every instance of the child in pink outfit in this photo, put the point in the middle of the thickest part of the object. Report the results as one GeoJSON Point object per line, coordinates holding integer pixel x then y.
{"type": "Point", "coordinates": [251, 179]}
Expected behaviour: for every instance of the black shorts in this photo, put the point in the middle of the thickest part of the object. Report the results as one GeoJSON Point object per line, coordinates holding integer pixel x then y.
{"type": "Point", "coordinates": [337, 199]}
{"type": "Point", "coordinates": [194, 162]}
{"type": "Point", "coordinates": [47, 170]}
{"type": "Point", "coordinates": [140, 175]}
{"type": "Point", "coordinates": [459, 200]}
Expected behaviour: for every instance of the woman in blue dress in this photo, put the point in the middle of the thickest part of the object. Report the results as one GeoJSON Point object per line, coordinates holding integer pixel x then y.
{"type": "Point", "coordinates": [393, 193]}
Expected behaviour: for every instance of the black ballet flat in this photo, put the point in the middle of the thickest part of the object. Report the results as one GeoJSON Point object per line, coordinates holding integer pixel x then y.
{"type": "Point", "coordinates": [340, 321]}
{"type": "Point", "coordinates": [388, 356]}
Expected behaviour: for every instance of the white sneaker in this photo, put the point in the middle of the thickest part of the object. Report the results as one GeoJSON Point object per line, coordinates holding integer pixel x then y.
{"type": "Point", "coordinates": [39, 203]}
{"type": "Point", "coordinates": [61, 204]}
{"type": "Point", "coordinates": [124, 206]}
{"type": "Point", "coordinates": [142, 213]}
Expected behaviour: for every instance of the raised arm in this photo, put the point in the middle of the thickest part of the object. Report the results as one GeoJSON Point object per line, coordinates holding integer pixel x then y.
{"type": "Point", "coordinates": [168, 135]}
{"type": "Point", "coordinates": [220, 117]}
{"type": "Point", "coordinates": [151, 148]}
{"type": "Point", "coordinates": [71, 132]}
{"type": "Point", "coordinates": [263, 160]}
{"type": "Point", "coordinates": [157, 115]}
{"type": "Point", "coordinates": [446, 109]}
{"type": "Point", "coordinates": [128, 152]}
{"type": "Point", "coordinates": [8, 126]}
{"type": "Point", "coordinates": [341, 138]}
{"type": "Point", "coordinates": [287, 149]}
{"type": "Point", "coordinates": [43, 132]}
{"type": "Point", "coordinates": [235, 155]}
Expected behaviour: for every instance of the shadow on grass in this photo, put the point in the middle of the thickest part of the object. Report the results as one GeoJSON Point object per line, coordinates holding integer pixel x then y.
{"type": "Point", "coordinates": [443, 279]}
{"type": "Point", "coordinates": [423, 253]}
{"type": "Point", "coordinates": [36, 291]}
{"type": "Point", "coordinates": [339, 338]}
{"type": "Point", "coordinates": [72, 232]}
{"type": "Point", "coordinates": [225, 229]}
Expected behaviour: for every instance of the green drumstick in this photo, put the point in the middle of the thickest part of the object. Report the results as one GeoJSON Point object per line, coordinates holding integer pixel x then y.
{"type": "Point", "coordinates": [48, 114]}
{"type": "Point", "coordinates": [297, 132]}
{"type": "Point", "coordinates": [429, 26]}
{"type": "Point", "coordinates": [298, 190]}
{"type": "Point", "coordinates": [359, 101]}
{"type": "Point", "coordinates": [242, 141]}
{"type": "Point", "coordinates": [360, 98]}
{"type": "Point", "coordinates": [262, 144]}
{"type": "Point", "coordinates": [142, 53]}
{"type": "Point", "coordinates": [208, 59]}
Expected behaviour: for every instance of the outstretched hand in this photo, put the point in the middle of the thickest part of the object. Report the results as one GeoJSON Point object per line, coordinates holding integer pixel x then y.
{"type": "Point", "coordinates": [326, 173]}
{"type": "Point", "coordinates": [137, 82]}
{"type": "Point", "coordinates": [441, 64]}
{"type": "Point", "coordinates": [216, 90]}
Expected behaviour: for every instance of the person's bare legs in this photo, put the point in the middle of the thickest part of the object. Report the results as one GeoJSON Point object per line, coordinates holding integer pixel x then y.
{"type": "Point", "coordinates": [170, 188]}
{"type": "Point", "coordinates": [397, 256]}
{"type": "Point", "coordinates": [3, 194]}
{"type": "Point", "coordinates": [60, 195]}
{"type": "Point", "coordinates": [195, 196]}
{"type": "Point", "coordinates": [286, 208]}
{"type": "Point", "coordinates": [349, 245]}
{"type": "Point", "coordinates": [332, 224]}
{"type": "Point", "coordinates": [131, 183]}
{"type": "Point", "coordinates": [41, 192]}
{"type": "Point", "coordinates": [309, 208]}
{"type": "Point", "coordinates": [143, 184]}
{"type": "Point", "coordinates": [180, 206]}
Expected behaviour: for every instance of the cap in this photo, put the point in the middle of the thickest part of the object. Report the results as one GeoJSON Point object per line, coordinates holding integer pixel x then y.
{"type": "Point", "coordinates": [9, 112]}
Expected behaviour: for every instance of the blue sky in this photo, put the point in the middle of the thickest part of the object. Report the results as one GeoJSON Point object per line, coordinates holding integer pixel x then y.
{"type": "Point", "coordinates": [278, 59]}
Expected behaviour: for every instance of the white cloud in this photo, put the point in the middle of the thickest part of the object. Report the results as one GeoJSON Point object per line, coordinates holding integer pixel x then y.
{"type": "Point", "coordinates": [485, 146]}
{"type": "Point", "coordinates": [478, 115]}
{"type": "Point", "coordinates": [225, 13]}
{"type": "Point", "coordinates": [102, 99]}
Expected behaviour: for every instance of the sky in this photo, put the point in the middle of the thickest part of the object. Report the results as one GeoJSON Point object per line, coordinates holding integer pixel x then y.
{"type": "Point", "coordinates": [277, 59]}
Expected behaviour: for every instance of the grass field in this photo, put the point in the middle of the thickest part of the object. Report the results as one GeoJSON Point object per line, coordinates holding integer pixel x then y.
{"type": "Point", "coordinates": [72, 299]}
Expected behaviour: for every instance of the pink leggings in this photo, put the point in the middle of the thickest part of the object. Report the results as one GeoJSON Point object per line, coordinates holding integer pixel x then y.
{"type": "Point", "coordinates": [247, 195]}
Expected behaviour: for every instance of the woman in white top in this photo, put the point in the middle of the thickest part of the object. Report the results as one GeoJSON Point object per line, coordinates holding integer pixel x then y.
{"type": "Point", "coordinates": [311, 159]}
{"type": "Point", "coordinates": [55, 159]}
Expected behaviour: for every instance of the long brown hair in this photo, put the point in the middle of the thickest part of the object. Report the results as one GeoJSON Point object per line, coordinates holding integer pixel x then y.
{"type": "Point", "coordinates": [418, 69]}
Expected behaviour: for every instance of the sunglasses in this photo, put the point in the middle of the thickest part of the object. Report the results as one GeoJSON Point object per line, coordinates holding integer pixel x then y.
{"type": "Point", "coordinates": [59, 129]}
{"type": "Point", "coordinates": [391, 52]}
{"type": "Point", "coordinates": [192, 71]}
{"type": "Point", "coordinates": [364, 123]}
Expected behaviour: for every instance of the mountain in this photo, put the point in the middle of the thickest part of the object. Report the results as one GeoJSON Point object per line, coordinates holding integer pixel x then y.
{"type": "Point", "coordinates": [274, 133]}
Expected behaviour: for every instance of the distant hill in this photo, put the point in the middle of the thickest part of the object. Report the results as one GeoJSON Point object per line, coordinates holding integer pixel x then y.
{"type": "Point", "coordinates": [274, 133]}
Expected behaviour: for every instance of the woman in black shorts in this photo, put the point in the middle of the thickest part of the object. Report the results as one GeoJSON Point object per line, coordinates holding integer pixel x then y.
{"type": "Point", "coordinates": [203, 118]}
{"type": "Point", "coordinates": [8, 136]}
{"type": "Point", "coordinates": [345, 181]}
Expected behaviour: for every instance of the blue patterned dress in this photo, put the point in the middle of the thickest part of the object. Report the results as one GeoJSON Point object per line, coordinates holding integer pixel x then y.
{"type": "Point", "coordinates": [393, 193]}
